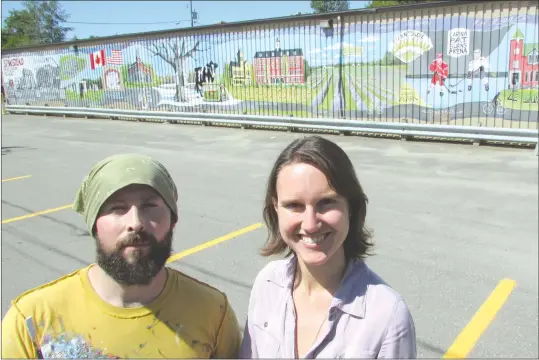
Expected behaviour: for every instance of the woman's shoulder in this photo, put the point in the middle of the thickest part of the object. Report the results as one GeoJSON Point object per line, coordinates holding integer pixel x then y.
{"type": "Point", "coordinates": [382, 296]}
{"type": "Point", "coordinates": [365, 283]}
{"type": "Point", "coordinates": [275, 271]}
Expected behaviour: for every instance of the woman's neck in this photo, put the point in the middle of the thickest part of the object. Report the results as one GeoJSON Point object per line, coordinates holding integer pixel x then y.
{"type": "Point", "coordinates": [327, 277]}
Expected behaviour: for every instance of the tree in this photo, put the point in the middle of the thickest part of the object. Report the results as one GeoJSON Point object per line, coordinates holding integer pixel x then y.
{"type": "Point", "coordinates": [382, 3]}
{"type": "Point", "coordinates": [175, 57]}
{"type": "Point", "coordinates": [17, 29]}
{"type": "Point", "coordinates": [322, 6]}
{"type": "Point", "coordinates": [39, 22]}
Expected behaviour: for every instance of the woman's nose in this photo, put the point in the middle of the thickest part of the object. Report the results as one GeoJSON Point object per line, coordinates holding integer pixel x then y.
{"type": "Point", "coordinates": [310, 223]}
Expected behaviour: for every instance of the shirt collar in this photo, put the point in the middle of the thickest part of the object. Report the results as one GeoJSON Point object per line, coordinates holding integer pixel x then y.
{"type": "Point", "coordinates": [284, 275]}
{"type": "Point", "coordinates": [350, 297]}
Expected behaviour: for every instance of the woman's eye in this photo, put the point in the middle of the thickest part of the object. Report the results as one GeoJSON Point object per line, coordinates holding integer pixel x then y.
{"type": "Point", "coordinates": [292, 206]}
{"type": "Point", "coordinates": [325, 202]}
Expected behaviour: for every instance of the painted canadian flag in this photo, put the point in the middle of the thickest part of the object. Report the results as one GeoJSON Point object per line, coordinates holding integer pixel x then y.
{"type": "Point", "coordinates": [97, 59]}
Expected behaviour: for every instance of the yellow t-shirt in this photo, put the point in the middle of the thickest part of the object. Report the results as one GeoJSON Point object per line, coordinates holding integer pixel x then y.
{"type": "Point", "coordinates": [189, 319]}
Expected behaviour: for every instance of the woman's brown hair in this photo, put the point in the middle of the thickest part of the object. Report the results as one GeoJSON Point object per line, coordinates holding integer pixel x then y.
{"type": "Point", "coordinates": [331, 160]}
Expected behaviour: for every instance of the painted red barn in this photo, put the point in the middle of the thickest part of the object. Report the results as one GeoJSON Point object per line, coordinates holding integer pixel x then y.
{"type": "Point", "coordinates": [523, 62]}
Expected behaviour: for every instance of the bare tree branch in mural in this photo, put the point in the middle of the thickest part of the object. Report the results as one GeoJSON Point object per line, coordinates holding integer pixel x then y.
{"type": "Point", "coordinates": [175, 56]}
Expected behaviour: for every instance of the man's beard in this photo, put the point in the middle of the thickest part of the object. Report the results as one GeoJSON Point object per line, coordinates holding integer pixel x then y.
{"type": "Point", "coordinates": [145, 265]}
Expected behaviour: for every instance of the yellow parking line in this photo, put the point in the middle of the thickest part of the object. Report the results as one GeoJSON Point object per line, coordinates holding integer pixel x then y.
{"type": "Point", "coordinates": [172, 258]}
{"type": "Point", "coordinates": [468, 337]}
{"type": "Point", "coordinates": [43, 212]}
{"type": "Point", "coordinates": [214, 242]}
{"type": "Point", "coordinates": [17, 178]}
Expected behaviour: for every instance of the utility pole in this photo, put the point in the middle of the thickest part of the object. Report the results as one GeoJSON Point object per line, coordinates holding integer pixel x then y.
{"type": "Point", "coordinates": [191, 3]}
{"type": "Point", "coordinates": [194, 15]}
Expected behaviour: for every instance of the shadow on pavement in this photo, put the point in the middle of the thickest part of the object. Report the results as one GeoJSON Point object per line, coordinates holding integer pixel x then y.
{"type": "Point", "coordinates": [31, 239]}
{"type": "Point", "coordinates": [430, 347]}
{"type": "Point", "coordinates": [34, 259]}
{"type": "Point", "coordinates": [9, 149]}
{"type": "Point", "coordinates": [75, 229]}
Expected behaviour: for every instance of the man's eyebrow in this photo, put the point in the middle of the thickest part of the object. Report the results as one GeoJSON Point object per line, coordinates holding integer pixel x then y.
{"type": "Point", "coordinates": [150, 197]}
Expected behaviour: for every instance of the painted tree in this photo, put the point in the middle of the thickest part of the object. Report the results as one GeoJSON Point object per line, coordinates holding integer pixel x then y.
{"type": "Point", "coordinates": [175, 56]}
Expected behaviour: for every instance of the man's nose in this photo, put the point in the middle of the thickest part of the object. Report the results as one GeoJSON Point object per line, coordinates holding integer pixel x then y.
{"type": "Point", "coordinates": [310, 223]}
{"type": "Point", "coordinates": [134, 219]}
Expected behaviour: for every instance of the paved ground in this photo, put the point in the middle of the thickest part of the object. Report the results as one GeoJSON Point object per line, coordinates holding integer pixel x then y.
{"type": "Point", "coordinates": [450, 221]}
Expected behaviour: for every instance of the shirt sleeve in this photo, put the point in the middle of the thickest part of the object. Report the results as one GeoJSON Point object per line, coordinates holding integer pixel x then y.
{"type": "Point", "coordinates": [16, 341]}
{"type": "Point", "coordinates": [400, 339]}
{"type": "Point", "coordinates": [229, 337]}
{"type": "Point", "coordinates": [248, 348]}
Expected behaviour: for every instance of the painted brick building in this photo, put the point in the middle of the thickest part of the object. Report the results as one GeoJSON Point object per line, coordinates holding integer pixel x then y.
{"type": "Point", "coordinates": [523, 63]}
{"type": "Point", "coordinates": [279, 66]}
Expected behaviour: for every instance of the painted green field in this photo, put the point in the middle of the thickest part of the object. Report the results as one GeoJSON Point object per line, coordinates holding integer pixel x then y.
{"type": "Point", "coordinates": [521, 99]}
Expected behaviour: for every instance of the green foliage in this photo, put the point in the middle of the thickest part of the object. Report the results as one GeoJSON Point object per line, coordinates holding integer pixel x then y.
{"type": "Point", "coordinates": [39, 22]}
{"type": "Point", "coordinates": [323, 6]}
{"type": "Point", "coordinates": [383, 3]}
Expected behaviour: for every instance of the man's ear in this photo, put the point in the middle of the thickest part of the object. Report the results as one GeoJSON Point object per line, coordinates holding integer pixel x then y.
{"type": "Point", "coordinates": [275, 203]}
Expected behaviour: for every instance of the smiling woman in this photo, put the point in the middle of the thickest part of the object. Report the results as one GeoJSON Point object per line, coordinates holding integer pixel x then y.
{"type": "Point", "coordinates": [322, 300]}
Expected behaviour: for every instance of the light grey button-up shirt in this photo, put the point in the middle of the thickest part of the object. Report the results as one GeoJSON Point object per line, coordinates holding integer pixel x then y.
{"type": "Point", "coordinates": [367, 318]}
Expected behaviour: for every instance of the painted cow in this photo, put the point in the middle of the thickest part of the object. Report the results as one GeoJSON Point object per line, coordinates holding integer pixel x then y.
{"type": "Point", "coordinates": [204, 75]}
{"type": "Point", "coordinates": [209, 72]}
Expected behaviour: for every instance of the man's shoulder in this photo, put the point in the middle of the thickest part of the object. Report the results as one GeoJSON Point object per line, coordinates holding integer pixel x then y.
{"type": "Point", "coordinates": [48, 293]}
{"type": "Point", "coordinates": [198, 289]}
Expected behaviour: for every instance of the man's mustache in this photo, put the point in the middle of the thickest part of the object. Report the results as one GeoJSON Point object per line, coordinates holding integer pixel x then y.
{"type": "Point", "coordinates": [138, 239]}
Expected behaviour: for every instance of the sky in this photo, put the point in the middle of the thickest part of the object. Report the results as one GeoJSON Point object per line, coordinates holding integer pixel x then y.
{"type": "Point", "coordinates": [167, 13]}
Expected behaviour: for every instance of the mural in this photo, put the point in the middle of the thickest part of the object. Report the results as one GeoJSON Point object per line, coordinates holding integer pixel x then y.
{"type": "Point", "coordinates": [438, 69]}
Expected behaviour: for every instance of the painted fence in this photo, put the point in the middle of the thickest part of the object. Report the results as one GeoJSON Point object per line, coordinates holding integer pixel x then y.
{"type": "Point", "coordinates": [457, 64]}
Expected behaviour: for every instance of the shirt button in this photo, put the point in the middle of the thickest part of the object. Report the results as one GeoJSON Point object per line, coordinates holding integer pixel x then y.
{"type": "Point", "coordinates": [266, 324]}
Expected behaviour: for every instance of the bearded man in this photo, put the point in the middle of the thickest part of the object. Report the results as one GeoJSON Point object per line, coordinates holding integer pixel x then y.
{"type": "Point", "coordinates": [128, 304]}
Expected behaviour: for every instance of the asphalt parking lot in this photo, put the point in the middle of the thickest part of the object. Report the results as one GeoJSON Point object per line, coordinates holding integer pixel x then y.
{"type": "Point", "coordinates": [455, 226]}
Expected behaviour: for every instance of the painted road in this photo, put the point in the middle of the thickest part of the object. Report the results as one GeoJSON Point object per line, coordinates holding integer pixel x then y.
{"type": "Point", "coordinates": [455, 226]}
{"type": "Point", "coordinates": [338, 100]}
{"type": "Point", "coordinates": [360, 105]}
{"type": "Point", "coordinates": [321, 95]}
